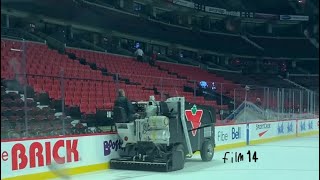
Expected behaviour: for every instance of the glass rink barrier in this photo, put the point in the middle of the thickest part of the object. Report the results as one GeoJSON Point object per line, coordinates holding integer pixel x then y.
{"type": "Point", "coordinates": [272, 104]}
{"type": "Point", "coordinates": [47, 93]}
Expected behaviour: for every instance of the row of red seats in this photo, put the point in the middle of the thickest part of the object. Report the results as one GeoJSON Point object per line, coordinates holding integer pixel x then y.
{"type": "Point", "coordinates": [127, 68]}
{"type": "Point", "coordinates": [42, 64]}
{"type": "Point", "coordinates": [122, 65]}
{"type": "Point", "coordinates": [198, 75]}
{"type": "Point", "coordinates": [104, 61]}
{"type": "Point", "coordinates": [74, 82]}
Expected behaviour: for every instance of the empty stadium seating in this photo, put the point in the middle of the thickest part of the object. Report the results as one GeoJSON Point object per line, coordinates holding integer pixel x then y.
{"type": "Point", "coordinates": [196, 74]}
{"type": "Point", "coordinates": [83, 86]}
{"type": "Point", "coordinates": [147, 76]}
{"type": "Point", "coordinates": [54, 73]}
{"type": "Point", "coordinates": [42, 121]}
{"type": "Point", "coordinates": [45, 69]}
{"type": "Point", "coordinates": [230, 89]}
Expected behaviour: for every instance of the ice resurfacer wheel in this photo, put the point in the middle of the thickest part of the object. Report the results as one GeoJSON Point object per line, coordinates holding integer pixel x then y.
{"type": "Point", "coordinates": [207, 151]}
{"type": "Point", "coordinates": [178, 157]}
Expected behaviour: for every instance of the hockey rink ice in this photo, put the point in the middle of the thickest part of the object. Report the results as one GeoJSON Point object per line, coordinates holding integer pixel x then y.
{"type": "Point", "coordinates": [293, 159]}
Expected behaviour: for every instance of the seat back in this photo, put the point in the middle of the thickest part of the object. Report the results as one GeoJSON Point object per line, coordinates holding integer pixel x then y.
{"type": "Point", "coordinates": [164, 110]}
{"type": "Point", "coordinates": [119, 115]}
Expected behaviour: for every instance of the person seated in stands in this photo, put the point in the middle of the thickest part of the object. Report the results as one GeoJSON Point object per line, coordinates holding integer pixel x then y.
{"type": "Point", "coordinates": [258, 102]}
{"type": "Point", "coordinates": [122, 101]}
{"type": "Point", "coordinates": [153, 58]}
{"type": "Point", "coordinates": [139, 54]}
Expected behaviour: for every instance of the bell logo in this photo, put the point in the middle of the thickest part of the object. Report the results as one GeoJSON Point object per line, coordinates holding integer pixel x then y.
{"type": "Point", "coordinates": [194, 117]}
{"type": "Point", "coordinates": [236, 133]}
{"type": "Point", "coordinates": [42, 154]}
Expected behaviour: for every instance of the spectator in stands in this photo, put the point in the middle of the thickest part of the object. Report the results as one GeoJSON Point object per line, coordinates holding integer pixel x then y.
{"type": "Point", "coordinates": [122, 101]}
{"type": "Point", "coordinates": [139, 53]}
{"type": "Point", "coordinates": [258, 102]}
{"type": "Point", "coordinates": [214, 88]}
{"type": "Point", "coordinates": [153, 58]}
{"type": "Point", "coordinates": [181, 56]}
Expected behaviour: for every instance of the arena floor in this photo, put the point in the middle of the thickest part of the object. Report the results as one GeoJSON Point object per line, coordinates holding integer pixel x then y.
{"type": "Point", "coordinates": [293, 159]}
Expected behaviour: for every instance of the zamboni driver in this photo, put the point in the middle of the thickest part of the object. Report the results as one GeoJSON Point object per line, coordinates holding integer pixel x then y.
{"type": "Point", "coordinates": [122, 101]}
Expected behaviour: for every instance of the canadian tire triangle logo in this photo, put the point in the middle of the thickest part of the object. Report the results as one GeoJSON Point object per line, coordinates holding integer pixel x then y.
{"type": "Point", "coordinates": [194, 117]}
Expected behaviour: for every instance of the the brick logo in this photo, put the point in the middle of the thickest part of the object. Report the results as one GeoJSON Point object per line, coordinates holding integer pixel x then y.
{"type": "Point", "coordinates": [42, 154]}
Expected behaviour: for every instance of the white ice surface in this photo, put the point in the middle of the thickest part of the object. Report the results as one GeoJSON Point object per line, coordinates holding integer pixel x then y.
{"type": "Point", "coordinates": [295, 159]}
